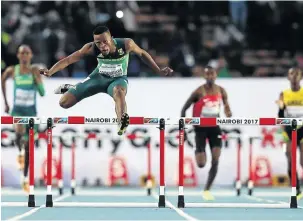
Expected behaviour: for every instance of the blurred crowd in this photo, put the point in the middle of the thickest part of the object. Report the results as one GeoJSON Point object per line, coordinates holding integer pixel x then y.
{"type": "Point", "coordinates": [238, 38]}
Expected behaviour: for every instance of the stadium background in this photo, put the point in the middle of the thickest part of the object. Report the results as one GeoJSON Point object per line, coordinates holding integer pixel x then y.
{"type": "Point", "coordinates": [249, 43]}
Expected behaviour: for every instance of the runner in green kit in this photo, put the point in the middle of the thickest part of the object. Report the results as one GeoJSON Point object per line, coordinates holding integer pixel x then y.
{"type": "Point", "coordinates": [27, 81]}
{"type": "Point", "coordinates": [110, 76]}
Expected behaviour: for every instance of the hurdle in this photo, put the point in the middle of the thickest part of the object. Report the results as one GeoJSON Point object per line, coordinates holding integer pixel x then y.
{"type": "Point", "coordinates": [293, 122]}
{"type": "Point", "coordinates": [239, 151]}
{"type": "Point", "coordinates": [251, 172]}
{"type": "Point", "coordinates": [148, 184]}
{"type": "Point", "coordinates": [82, 120]}
{"type": "Point", "coordinates": [223, 137]}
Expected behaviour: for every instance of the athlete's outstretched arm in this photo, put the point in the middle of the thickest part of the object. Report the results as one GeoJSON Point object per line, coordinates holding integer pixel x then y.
{"type": "Point", "coordinates": [7, 74]}
{"type": "Point", "coordinates": [131, 46]}
{"type": "Point", "coordinates": [192, 98]}
{"type": "Point", "coordinates": [74, 57]}
{"type": "Point", "coordinates": [227, 110]}
{"type": "Point", "coordinates": [38, 80]}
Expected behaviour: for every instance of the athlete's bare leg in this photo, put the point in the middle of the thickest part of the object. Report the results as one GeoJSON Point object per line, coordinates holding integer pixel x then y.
{"type": "Point", "coordinates": [20, 131]}
{"type": "Point", "coordinates": [25, 183]}
{"type": "Point", "coordinates": [68, 100]}
{"type": "Point", "coordinates": [200, 159]}
{"type": "Point", "coordinates": [215, 153]}
{"type": "Point", "coordinates": [119, 94]}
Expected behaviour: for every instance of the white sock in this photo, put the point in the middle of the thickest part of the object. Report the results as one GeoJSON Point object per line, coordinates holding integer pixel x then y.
{"type": "Point", "coordinates": [24, 179]}
{"type": "Point", "coordinates": [22, 152]}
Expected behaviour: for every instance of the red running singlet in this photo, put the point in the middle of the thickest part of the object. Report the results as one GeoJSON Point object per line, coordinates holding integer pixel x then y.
{"type": "Point", "coordinates": [208, 106]}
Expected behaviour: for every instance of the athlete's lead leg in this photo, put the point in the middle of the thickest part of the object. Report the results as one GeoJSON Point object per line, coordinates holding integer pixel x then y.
{"type": "Point", "coordinates": [215, 152]}
{"type": "Point", "coordinates": [119, 94]}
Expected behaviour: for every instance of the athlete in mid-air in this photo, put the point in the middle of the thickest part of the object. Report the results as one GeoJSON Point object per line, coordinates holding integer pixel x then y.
{"type": "Point", "coordinates": [110, 76]}
{"type": "Point", "coordinates": [207, 101]}
{"type": "Point", "coordinates": [27, 81]}
{"type": "Point", "coordinates": [291, 106]}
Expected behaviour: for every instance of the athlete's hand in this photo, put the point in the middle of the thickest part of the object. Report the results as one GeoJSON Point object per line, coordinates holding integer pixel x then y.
{"type": "Point", "coordinates": [45, 72]}
{"type": "Point", "coordinates": [280, 104]}
{"type": "Point", "coordinates": [228, 113]}
{"type": "Point", "coordinates": [166, 71]}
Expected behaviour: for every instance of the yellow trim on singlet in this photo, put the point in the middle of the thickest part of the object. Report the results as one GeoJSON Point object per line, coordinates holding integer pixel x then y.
{"type": "Point", "coordinates": [293, 99]}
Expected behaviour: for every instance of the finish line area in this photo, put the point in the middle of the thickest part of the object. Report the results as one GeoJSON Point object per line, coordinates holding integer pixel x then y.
{"type": "Point", "coordinates": [87, 201]}
{"type": "Point", "coordinates": [163, 202]}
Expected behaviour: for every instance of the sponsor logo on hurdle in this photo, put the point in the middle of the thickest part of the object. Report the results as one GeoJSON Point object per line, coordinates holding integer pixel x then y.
{"type": "Point", "coordinates": [246, 121]}
{"type": "Point", "coordinates": [60, 120]}
{"type": "Point", "coordinates": [98, 120]}
{"type": "Point", "coordinates": [282, 121]}
{"type": "Point", "coordinates": [151, 120]}
{"type": "Point", "coordinates": [49, 137]}
{"type": "Point", "coordinates": [181, 138]}
{"type": "Point", "coordinates": [192, 121]}
{"type": "Point", "coordinates": [21, 120]}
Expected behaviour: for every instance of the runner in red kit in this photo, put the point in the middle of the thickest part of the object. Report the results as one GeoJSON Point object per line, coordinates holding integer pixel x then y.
{"type": "Point", "coordinates": [207, 101]}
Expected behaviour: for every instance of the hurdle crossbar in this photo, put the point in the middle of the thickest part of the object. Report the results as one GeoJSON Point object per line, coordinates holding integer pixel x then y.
{"type": "Point", "coordinates": [154, 120]}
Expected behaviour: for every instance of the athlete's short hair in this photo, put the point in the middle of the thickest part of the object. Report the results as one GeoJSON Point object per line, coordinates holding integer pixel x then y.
{"type": "Point", "coordinates": [24, 46]}
{"type": "Point", "coordinates": [100, 30]}
{"type": "Point", "coordinates": [209, 67]}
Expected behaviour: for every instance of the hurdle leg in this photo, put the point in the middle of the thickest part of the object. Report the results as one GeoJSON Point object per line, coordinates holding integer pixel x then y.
{"type": "Point", "coordinates": [161, 202]}
{"type": "Point", "coordinates": [250, 184]}
{"type": "Point", "coordinates": [293, 199]}
{"type": "Point", "coordinates": [31, 196]}
{"type": "Point", "coordinates": [181, 203]}
{"type": "Point", "coordinates": [49, 197]}
{"type": "Point", "coordinates": [238, 182]}
{"type": "Point", "coordinates": [149, 183]}
{"type": "Point", "coordinates": [60, 175]}
{"type": "Point", "coordinates": [73, 180]}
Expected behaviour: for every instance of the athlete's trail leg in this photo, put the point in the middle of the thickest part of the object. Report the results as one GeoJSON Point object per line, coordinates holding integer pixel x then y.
{"type": "Point", "coordinates": [26, 161]}
{"type": "Point", "coordinates": [67, 100]}
{"type": "Point", "coordinates": [119, 94]}
{"type": "Point", "coordinates": [215, 152]}
{"type": "Point", "coordinates": [25, 182]}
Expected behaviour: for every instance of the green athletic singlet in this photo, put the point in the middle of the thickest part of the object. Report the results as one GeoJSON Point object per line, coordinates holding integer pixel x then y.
{"type": "Point", "coordinates": [25, 91]}
{"type": "Point", "coordinates": [110, 72]}
{"type": "Point", "coordinates": [24, 94]}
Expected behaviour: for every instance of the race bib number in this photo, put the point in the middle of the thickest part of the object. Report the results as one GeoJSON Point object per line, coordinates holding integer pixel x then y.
{"type": "Point", "coordinates": [294, 112]}
{"type": "Point", "coordinates": [111, 70]}
{"type": "Point", "coordinates": [25, 98]}
{"type": "Point", "coordinates": [210, 111]}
